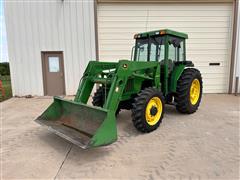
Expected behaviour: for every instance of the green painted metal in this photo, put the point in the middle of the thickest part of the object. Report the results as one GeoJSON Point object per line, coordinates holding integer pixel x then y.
{"type": "Point", "coordinates": [176, 73]}
{"type": "Point", "coordinates": [88, 126]}
{"type": "Point", "coordinates": [165, 67]}
{"type": "Point", "coordinates": [79, 123]}
{"type": "Point", "coordinates": [161, 32]}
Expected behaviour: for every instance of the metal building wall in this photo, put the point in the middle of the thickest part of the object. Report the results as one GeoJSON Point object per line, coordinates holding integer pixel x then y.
{"type": "Point", "coordinates": [58, 25]}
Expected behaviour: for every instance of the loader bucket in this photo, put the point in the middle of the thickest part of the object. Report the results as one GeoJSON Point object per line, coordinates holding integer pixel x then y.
{"type": "Point", "coordinates": [79, 123]}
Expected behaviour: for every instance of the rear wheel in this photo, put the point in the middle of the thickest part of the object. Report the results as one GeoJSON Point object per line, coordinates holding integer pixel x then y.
{"type": "Point", "coordinates": [148, 110]}
{"type": "Point", "coordinates": [99, 98]}
{"type": "Point", "coordinates": [189, 91]}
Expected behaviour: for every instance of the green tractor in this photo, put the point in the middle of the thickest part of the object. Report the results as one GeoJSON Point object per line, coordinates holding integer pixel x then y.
{"type": "Point", "coordinates": [157, 74]}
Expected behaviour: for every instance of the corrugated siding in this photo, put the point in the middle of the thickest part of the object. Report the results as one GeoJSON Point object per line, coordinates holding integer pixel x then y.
{"type": "Point", "coordinates": [33, 27]}
{"type": "Point", "coordinates": [209, 27]}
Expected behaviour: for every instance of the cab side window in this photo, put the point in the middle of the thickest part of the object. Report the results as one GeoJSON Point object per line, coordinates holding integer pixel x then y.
{"type": "Point", "coordinates": [156, 49]}
{"type": "Point", "coordinates": [181, 51]}
{"type": "Point", "coordinates": [172, 52]}
{"type": "Point", "coordinates": [153, 52]}
{"type": "Point", "coordinates": [142, 50]}
{"type": "Point", "coordinates": [176, 49]}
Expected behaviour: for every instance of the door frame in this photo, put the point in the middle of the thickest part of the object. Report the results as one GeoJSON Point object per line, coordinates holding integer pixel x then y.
{"type": "Point", "coordinates": [44, 70]}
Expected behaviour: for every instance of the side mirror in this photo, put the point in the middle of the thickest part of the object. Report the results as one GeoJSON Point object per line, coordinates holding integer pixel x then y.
{"type": "Point", "coordinates": [133, 48]}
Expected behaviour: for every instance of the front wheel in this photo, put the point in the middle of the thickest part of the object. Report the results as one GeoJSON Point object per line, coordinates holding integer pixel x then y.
{"type": "Point", "coordinates": [99, 98]}
{"type": "Point", "coordinates": [189, 91]}
{"type": "Point", "coordinates": [148, 110]}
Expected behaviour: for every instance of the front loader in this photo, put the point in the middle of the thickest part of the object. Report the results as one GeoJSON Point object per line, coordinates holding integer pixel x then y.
{"type": "Point", "coordinates": [157, 74]}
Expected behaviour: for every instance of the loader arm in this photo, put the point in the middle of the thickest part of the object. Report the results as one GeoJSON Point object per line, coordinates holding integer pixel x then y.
{"type": "Point", "coordinates": [118, 79]}
{"type": "Point", "coordinates": [127, 69]}
{"type": "Point", "coordinates": [88, 126]}
{"type": "Point", "coordinates": [91, 74]}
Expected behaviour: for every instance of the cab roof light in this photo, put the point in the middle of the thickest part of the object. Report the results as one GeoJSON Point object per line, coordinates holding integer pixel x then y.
{"type": "Point", "coordinates": [137, 36]}
{"type": "Point", "coordinates": [162, 32]}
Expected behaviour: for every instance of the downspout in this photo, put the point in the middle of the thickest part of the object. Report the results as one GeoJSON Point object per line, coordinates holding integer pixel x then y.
{"type": "Point", "coordinates": [96, 30]}
{"type": "Point", "coordinates": [237, 57]}
{"type": "Point", "coordinates": [234, 42]}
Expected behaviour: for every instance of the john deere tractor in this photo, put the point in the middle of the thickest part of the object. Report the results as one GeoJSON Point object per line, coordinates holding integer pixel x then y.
{"type": "Point", "coordinates": [157, 74]}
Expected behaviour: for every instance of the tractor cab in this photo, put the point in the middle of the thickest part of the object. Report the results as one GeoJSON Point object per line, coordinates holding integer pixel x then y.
{"type": "Point", "coordinates": [162, 46]}
{"type": "Point", "coordinates": [166, 46]}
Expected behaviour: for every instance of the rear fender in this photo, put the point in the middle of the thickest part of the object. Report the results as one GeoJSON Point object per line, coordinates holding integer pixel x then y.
{"type": "Point", "coordinates": [175, 75]}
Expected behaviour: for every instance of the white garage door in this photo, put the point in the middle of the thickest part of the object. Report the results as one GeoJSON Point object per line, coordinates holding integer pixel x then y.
{"type": "Point", "coordinates": [208, 27]}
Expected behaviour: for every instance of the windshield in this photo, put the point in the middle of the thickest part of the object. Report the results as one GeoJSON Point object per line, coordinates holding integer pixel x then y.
{"type": "Point", "coordinates": [151, 49]}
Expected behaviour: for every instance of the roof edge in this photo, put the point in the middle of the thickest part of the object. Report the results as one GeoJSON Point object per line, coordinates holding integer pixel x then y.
{"type": "Point", "coordinates": [161, 32]}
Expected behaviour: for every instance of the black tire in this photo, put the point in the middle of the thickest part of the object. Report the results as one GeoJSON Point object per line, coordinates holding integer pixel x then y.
{"type": "Point", "coordinates": [182, 98]}
{"type": "Point", "coordinates": [139, 109]}
{"type": "Point", "coordinates": [99, 98]}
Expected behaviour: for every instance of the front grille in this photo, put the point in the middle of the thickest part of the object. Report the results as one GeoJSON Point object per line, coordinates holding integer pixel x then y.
{"type": "Point", "coordinates": [129, 85]}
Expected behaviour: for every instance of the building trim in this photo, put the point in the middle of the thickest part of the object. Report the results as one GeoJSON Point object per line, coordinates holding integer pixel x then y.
{"type": "Point", "coordinates": [43, 73]}
{"type": "Point", "coordinates": [96, 30]}
{"type": "Point", "coordinates": [234, 42]}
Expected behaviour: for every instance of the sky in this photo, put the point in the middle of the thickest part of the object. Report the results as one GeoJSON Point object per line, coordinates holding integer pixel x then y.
{"type": "Point", "coordinates": [3, 36]}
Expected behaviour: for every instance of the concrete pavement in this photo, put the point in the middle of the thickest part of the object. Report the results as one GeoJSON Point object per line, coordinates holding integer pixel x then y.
{"type": "Point", "coordinates": [204, 145]}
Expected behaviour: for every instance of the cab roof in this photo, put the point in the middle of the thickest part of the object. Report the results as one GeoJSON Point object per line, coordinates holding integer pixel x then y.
{"type": "Point", "coordinates": [161, 32]}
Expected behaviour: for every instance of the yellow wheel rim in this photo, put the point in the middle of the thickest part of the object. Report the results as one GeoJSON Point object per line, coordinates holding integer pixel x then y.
{"type": "Point", "coordinates": [153, 111]}
{"type": "Point", "coordinates": [194, 91]}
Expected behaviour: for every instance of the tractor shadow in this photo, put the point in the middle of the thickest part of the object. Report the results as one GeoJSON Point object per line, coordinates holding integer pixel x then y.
{"type": "Point", "coordinates": [171, 110]}
{"type": "Point", "coordinates": [126, 128]}
{"type": "Point", "coordinates": [88, 158]}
